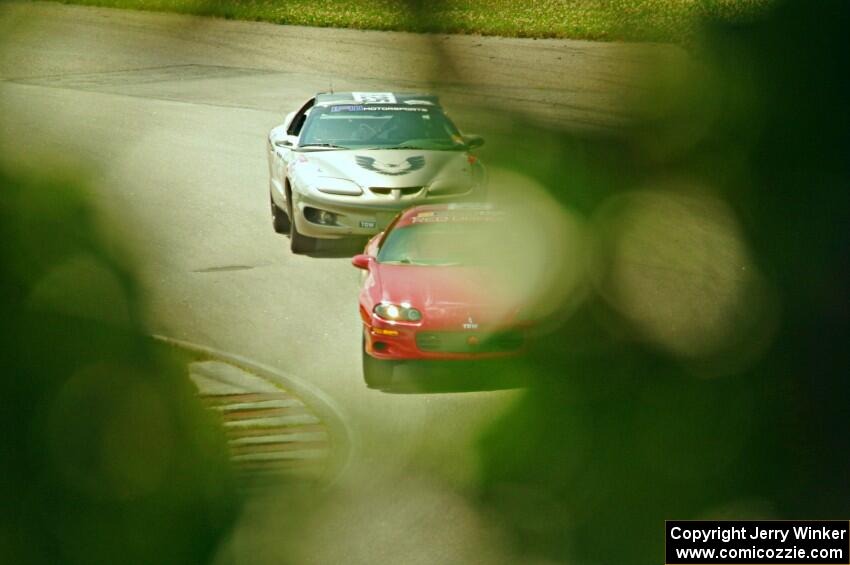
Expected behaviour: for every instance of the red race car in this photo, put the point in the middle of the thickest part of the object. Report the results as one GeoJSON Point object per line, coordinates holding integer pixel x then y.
{"type": "Point", "coordinates": [435, 288]}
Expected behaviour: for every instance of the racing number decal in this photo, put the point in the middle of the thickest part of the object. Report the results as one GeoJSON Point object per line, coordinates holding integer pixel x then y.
{"type": "Point", "coordinates": [374, 97]}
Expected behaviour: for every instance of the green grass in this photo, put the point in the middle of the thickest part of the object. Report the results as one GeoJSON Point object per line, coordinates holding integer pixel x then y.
{"type": "Point", "coordinates": [646, 20]}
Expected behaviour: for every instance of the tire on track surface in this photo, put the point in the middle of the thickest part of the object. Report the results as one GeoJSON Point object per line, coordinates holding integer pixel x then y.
{"type": "Point", "coordinates": [298, 243]}
{"type": "Point", "coordinates": [378, 373]}
{"type": "Point", "coordinates": [280, 219]}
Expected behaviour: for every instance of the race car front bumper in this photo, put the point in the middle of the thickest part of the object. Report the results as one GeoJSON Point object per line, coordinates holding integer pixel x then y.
{"type": "Point", "coordinates": [328, 216]}
{"type": "Point", "coordinates": [408, 341]}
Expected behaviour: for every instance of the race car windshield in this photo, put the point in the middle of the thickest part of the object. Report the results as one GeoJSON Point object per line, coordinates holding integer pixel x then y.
{"type": "Point", "coordinates": [394, 126]}
{"type": "Point", "coordinates": [443, 244]}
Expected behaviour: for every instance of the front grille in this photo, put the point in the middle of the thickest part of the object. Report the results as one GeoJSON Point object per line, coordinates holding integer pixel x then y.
{"type": "Point", "coordinates": [403, 190]}
{"type": "Point", "coordinates": [459, 342]}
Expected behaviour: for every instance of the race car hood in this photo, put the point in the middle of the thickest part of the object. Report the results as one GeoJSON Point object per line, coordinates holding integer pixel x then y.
{"type": "Point", "coordinates": [448, 297]}
{"type": "Point", "coordinates": [389, 168]}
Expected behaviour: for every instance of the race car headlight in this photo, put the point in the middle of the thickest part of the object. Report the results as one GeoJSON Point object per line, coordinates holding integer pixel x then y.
{"type": "Point", "coordinates": [320, 216]}
{"type": "Point", "coordinates": [397, 313]}
{"type": "Point", "coordinates": [331, 185]}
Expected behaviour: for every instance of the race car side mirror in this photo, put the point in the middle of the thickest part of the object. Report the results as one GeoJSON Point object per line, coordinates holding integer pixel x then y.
{"type": "Point", "coordinates": [473, 141]}
{"type": "Point", "coordinates": [362, 261]}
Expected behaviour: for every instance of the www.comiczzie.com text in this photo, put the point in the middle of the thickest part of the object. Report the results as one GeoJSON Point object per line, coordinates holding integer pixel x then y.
{"type": "Point", "coordinates": [758, 542]}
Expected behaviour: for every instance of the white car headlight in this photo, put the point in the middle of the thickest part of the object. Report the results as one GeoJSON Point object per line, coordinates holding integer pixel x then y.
{"type": "Point", "coordinates": [331, 185]}
{"type": "Point", "coordinates": [397, 313]}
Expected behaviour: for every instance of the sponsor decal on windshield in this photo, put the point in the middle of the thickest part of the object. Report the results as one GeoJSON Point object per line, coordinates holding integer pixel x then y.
{"type": "Point", "coordinates": [446, 216]}
{"type": "Point", "coordinates": [392, 169]}
{"type": "Point", "coordinates": [356, 108]}
{"type": "Point", "coordinates": [347, 108]}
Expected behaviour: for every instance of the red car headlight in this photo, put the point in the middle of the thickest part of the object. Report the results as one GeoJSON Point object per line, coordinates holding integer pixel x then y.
{"type": "Point", "coordinates": [397, 313]}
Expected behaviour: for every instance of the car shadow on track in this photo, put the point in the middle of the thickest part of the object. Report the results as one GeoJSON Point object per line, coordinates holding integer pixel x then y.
{"type": "Point", "coordinates": [429, 377]}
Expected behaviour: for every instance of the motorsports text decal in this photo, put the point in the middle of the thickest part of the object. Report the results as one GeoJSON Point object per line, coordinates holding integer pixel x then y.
{"type": "Point", "coordinates": [357, 108]}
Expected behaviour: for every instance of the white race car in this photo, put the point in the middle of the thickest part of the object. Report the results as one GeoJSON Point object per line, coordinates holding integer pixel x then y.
{"type": "Point", "coordinates": [346, 163]}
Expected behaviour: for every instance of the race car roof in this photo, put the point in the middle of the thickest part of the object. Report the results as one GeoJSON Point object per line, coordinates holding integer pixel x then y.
{"type": "Point", "coordinates": [332, 98]}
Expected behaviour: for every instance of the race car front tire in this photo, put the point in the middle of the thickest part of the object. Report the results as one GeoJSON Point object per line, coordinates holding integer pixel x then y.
{"type": "Point", "coordinates": [299, 243]}
{"type": "Point", "coordinates": [280, 219]}
{"type": "Point", "coordinates": [378, 373]}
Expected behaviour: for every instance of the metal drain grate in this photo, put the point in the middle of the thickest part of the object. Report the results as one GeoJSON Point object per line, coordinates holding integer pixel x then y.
{"type": "Point", "coordinates": [271, 434]}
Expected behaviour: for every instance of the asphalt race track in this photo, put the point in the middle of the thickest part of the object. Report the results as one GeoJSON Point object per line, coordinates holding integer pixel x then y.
{"type": "Point", "coordinates": [167, 117]}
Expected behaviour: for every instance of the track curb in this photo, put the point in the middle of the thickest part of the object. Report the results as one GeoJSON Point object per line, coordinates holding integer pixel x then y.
{"type": "Point", "coordinates": [345, 440]}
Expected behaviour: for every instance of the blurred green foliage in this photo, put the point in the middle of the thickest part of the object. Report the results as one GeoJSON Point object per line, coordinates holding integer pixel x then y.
{"type": "Point", "coordinates": [622, 432]}
{"type": "Point", "coordinates": [106, 455]}
{"type": "Point", "coordinates": [653, 20]}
